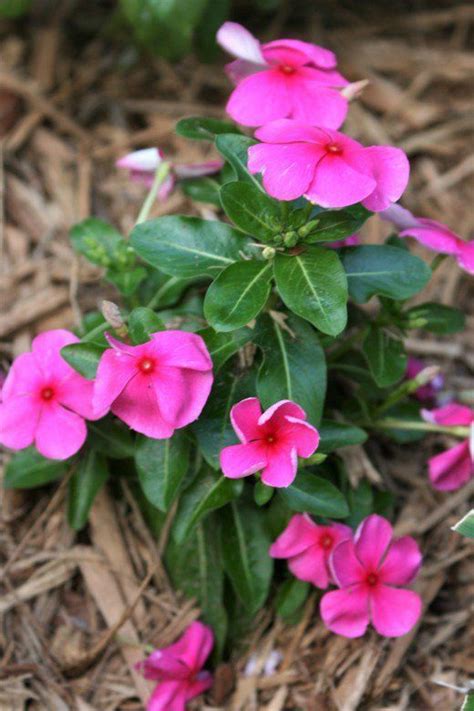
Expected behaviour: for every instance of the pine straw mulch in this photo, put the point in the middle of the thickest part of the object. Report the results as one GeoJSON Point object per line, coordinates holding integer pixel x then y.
{"type": "Point", "coordinates": [76, 608]}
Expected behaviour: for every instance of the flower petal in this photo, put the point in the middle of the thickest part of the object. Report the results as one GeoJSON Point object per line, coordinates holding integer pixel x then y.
{"type": "Point", "coordinates": [391, 170]}
{"type": "Point", "coordinates": [433, 235]}
{"type": "Point", "coordinates": [372, 539]}
{"type": "Point", "coordinates": [399, 216]}
{"type": "Point", "coordinates": [291, 131]}
{"type": "Point", "coordinates": [287, 170]}
{"type": "Point", "coordinates": [402, 562]}
{"type": "Point", "coordinates": [195, 170]}
{"type": "Point", "coordinates": [319, 56]}
{"type": "Point", "coordinates": [311, 567]}
{"type": "Point", "coordinates": [301, 435]}
{"type": "Point", "coordinates": [199, 685]}
{"type": "Point", "coordinates": [276, 414]}
{"type": "Point", "coordinates": [46, 348]}
{"type": "Point", "coordinates": [240, 460]}
{"type": "Point", "coordinates": [18, 421]}
{"type": "Point", "coordinates": [346, 612]}
{"type": "Point", "coordinates": [452, 469]}
{"type": "Point", "coordinates": [394, 612]}
{"type": "Point", "coordinates": [317, 104]}
{"type": "Point", "coordinates": [450, 415]}
{"type": "Point", "coordinates": [195, 645]}
{"type": "Point", "coordinates": [281, 468]}
{"type": "Point", "coordinates": [259, 98]}
{"type": "Point", "coordinates": [168, 696]}
{"type": "Point", "coordinates": [137, 406]}
{"type": "Point", "coordinates": [337, 184]}
{"type": "Point", "coordinates": [181, 349]}
{"type": "Point", "coordinates": [76, 393]}
{"type": "Point", "coordinates": [181, 393]}
{"type": "Point", "coordinates": [239, 42]}
{"type": "Point", "coordinates": [344, 565]}
{"type": "Point", "coordinates": [115, 370]}
{"type": "Point", "coordinates": [24, 377]}
{"type": "Point", "coordinates": [465, 256]}
{"type": "Point", "coordinates": [244, 417]}
{"type": "Point", "coordinates": [60, 433]}
{"type": "Point", "coordinates": [300, 533]}
{"type": "Point", "coordinates": [145, 160]}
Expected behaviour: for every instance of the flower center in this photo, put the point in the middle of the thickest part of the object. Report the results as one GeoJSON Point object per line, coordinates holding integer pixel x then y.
{"type": "Point", "coordinates": [146, 365]}
{"type": "Point", "coordinates": [47, 393]}
{"type": "Point", "coordinates": [326, 541]}
{"type": "Point", "coordinates": [333, 148]}
{"type": "Point", "coordinates": [372, 579]}
{"type": "Point", "coordinates": [271, 439]}
{"type": "Point", "coordinates": [286, 69]}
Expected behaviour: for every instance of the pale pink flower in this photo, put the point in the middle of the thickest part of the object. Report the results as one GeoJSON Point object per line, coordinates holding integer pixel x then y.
{"type": "Point", "coordinates": [453, 468]}
{"type": "Point", "coordinates": [155, 387]}
{"type": "Point", "coordinates": [282, 79]}
{"type": "Point", "coordinates": [368, 571]}
{"type": "Point", "coordinates": [327, 167]}
{"type": "Point", "coordinates": [307, 546]}
{"type": "Point", "coordinates": [428, 392]}
{"type": "Point", "coordinates": [45, 401]}
{"type": "Point", "coordinates": [271, 442]}
{"type": "Point", "coordinates": [178, 669]}
{"type": "Point", "coordinates": [142, 166]}
{"type": "Point", "coordinates": [431, 234]}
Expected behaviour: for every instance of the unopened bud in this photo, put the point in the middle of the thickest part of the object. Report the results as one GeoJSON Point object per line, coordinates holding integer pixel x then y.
{"type": "Point", "coordinates": [306, 229]}
{"type": "Point", "coordinates": [290, 238]}
{"type": "Point", "coordinates": [112, 315]}
{"type": "Point", "coordinates": [427, 375]}
{"type": "Point", "coordinates": [354, 90]}
{"type": "Point", "coordinates": [268, 252]}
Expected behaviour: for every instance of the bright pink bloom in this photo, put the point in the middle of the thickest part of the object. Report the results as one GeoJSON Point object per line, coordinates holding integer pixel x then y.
{"type": "Point", "coordinates": [453, 468]}
{"type": "Point", "coordinates": [367, 569]}
{"type": "Point", "coordinates": [428, 392]}
{"type": "Point", "coordinates": [156, 387]}
{"type": "Point", "coordinates": [307, 546]}
{"type": "Point", "coordinates": [432, 234]}
{"type": "Point", "coordinates": [271, 442]}
{"type": "Point", "coordinates": [327, 167]}
{"type": "Point", "coordinates": [282, 79]}
{"type": "Point", "coordinates": [45, 401]}
{"type": "Point", "coordinates": [351, 241]}
{"type": "Point", "coordinates": [142, 167]}
{"type": "Point", "coordinates": [178, 669]}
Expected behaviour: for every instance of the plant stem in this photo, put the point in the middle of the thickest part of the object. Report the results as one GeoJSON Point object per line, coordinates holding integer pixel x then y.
{"type": "Point", "coordinates": [390, 423]}
{"type": "Point", "coordinates": [160, 176]}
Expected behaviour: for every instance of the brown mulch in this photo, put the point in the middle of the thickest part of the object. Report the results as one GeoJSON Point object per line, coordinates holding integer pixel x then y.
{"type": "Point", "coordinates": [78, 610]}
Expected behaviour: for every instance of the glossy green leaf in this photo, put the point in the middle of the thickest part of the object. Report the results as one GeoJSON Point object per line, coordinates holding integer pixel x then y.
{"type": "Point", "coordinates": [334, 225]}
{"type": "Point", "coordinates": [293, 366]}
{"type": "Point", "coordinates": [262, 493]}
{"type": "Point", "coordinates": [222, 346]}
{"type": "Point", "coordinates": [101, 243]}
{"type": "Point", "coordinates": [251, 210]}
{"type": "Point", "coordinates": [235, 150]}
{"type": "Point", "coordinates": [142, 322]}
{"type": "Point", "coordinates": [361, 503]}
{"type": "Point", "coordinates": [238, 295]}
{"type": "Point", "coordinates": [28, 469]}
{"type": "Point", "coordinates": [385, 356]}
{"type": "Point", "coordinates": [314, 286]}
{"type": "Point", "coordinates": [126, 280]}
{"type": "Point", "coordinates": [162, 465]}
{"type": "Point", "coordinates": [466, 525]}
{"type": "Point", "coordinates": [86, 482]}
{"type": "Point", "coordinates": [208, 492]}
{"type": "Point", "coordinates": [245, 544]}
{"type": "Point", "coordinates": [188, 246]}
{"type": "Point", "coordinates": [335, 434]}
{"type": "Point", "coordinates": [83, 357]}
{"type": "Point", "coordinates": [436, 318]}
{"type": "Point", "coordinates": [314, 495]}
{"type": "Point", "coordinates": [204, 189]}
{"type": "Point", "coordinates": [111, 437]}
{"type": "Point", "coordinates": [201, 128]}
{"type": "Point", "coordinates": [290, 597]}
{"type": "Point", "coordinates": [383, 270]}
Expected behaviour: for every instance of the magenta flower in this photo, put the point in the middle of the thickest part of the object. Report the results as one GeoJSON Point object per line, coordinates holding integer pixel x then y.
{"type": "Point", "coordinates": [45, 401]}
{"type": "Point", "coordinates": [307, 546]}
{"type": "Point", "coordinates": [367, 569]}
{"type": "Point", "coordinates": [271, 442]}
{"type": "Point", "coordinates": [282, 79]}
{"type": "Point", "coordinates": [156, 387]}
{"type": "Point", "coordinates": [142, 167]}
{"type": "Point", "coordinates": [178, 669]}
{"type": "Point", "coordinates": [453, 468]}
{"type": "Point", "coordinates": [432, 234]}
{"type": "Point", "coordinates": [327, 167]}
{"type": "Point", "coordinates": [428, 392]}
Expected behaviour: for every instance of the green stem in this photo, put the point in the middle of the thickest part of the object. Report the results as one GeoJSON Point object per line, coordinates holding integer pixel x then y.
{"type": "Point", "coordinates": [160, 176]}
{"type": "Point", "coordinates": [391, 423]}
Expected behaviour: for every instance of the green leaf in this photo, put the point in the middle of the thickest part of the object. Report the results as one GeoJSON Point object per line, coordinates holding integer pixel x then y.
{"type": "Point", "coordinates": [162, 465]}
{"type": "Point", "coordinates": [86, 482]}
{"type": "Point", "coordinates": [334, 225]}
{"type": "Point", "coordinates": [314, 495]}
{"type": "Point", "coordinates": [201, 128]}
{"type": "Point", "coordinates": [222, 346]}
{"type": "Point", "coordinates": [361, 503]}
{"type": "Point", "coordinates": [290, 597]}
{"type": "Point", "coordinates": [251, 210]}
{"type": "Point", "coordinates": [235, 150]}
{"type": "Point", "coordinates": [188, 246]}
{"type": "Point", "coordinates": [142, 322]}
{"type": "Point", "coordinates": [385, 356]}
{"type": "Point", "coordinates": [313, 285]}
{"type": "Point", "coordinates": [209, 491]}
{"type": "Point", "coordinates": [293, 366]}
{"type": "Point", "coordinates": [466, 525]}
{"type": "Point", "coordinates": [101, 243]}
{"type": "Point", "coordinates": [202, 190]}
{"type": "Point", "coordinates": [28, 469]}
{"type": "Point", "coordinates": [383, 270]}
{"type": "Point", "coordinates": [128, 281]}
{"type": "Point", "coordinates": [195, 568]}
{"type": "Point", "coordinates": [13, 9]}
{"type": "Point", "coordinates": [111, 438]}
{"type": "Point", "coordinates": [262, 493]}
{"type": "Point", "coordinates": [338, 434]}
{"type": "Point", "coordinates": [436, 318]}
{"type": "Point", "coordinates": [245, 544]}
{"type": "Point", "coordinates": [83, 357]}
{"type": "Point", "coordinates": [237, 295]}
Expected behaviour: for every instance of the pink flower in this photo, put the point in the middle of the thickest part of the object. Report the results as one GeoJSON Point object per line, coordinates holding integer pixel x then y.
{"type": "Point", "coordinates": [308, 546]}
{"type": "Point", "coordinates": [156, 387]}
{"type": "Point", "coordinates": [44, 401]}
{"type": "Point", "coordinates": [326, 166]}
{"type": "Point", "coordinates": [178, 669]}
{"type": "Point", "coordinates": [428, 392]}
{"type": "Point", "coordinates": [432, 234]}
{"type": "Point", "coordinates": [271, 442]}
{"type": "Point", "coordinates": [282, 79]}
{"type": "Point", "coordinates": [142, 167]}
{"type": "Point", "coordinates": [453, 468]}
{"type": "Point", "coordinates": [367, 569]}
